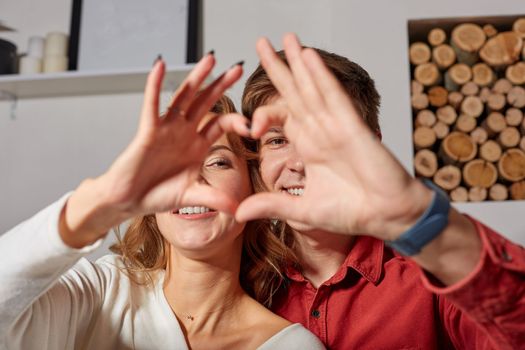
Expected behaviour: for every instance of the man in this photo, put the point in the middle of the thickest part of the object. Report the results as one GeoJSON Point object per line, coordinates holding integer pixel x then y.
{"type": "Point", "coordinates": [460, 285]}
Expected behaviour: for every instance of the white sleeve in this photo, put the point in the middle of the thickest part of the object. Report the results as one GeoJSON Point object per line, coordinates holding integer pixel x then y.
{"type": "Point", "coordinates": [42, 306]}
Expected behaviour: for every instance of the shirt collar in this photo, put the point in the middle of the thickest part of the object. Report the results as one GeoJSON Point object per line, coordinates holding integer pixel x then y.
{"type": "Point", "coordinates": [365, 257]}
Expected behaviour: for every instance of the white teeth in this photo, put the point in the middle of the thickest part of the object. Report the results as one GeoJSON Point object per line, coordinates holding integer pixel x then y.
{"type": "Point", "coordinates": [296, 191]}
{"type": "Point", "coordinates": [193, 210]}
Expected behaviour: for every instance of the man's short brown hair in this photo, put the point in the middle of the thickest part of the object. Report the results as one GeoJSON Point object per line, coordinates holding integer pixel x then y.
{"type": "Point", "coordinates": [354, 79]}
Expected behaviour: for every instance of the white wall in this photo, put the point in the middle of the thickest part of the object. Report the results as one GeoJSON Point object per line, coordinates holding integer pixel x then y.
{"type": "Point", "coordinates": [54, 143]}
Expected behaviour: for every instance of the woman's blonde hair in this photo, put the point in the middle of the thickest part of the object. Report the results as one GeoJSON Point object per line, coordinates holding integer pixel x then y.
{"type": "Point", "coordinates": [145, 250]}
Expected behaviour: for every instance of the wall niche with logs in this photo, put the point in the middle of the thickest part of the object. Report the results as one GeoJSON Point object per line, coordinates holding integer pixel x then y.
{"type": "Point", "coordinates": [468, 99]}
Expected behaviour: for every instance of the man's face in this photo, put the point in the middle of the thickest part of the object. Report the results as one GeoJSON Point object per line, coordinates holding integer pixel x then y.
{"type": "Point", "coordinates": [281, 168]}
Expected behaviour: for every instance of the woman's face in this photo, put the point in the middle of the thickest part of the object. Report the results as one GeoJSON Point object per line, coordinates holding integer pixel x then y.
{"type": "Point", "coordinates": [201, 228]}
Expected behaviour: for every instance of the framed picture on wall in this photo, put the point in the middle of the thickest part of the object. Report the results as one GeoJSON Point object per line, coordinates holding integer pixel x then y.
{"type": "Point", "coordinates": [130, 34]}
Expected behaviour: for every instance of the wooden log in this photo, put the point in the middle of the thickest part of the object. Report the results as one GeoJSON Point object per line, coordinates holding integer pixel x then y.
{"type": "Point", "coordinates": [511, 165]}
{"type": "Point", "coordinates": [467, 39]}
{"type": "Point", "coordinates": [509, 137]}
{"type": "Point", "coordinates": [441, 129]}
{"type": "Point", "coordinates": [519, 27]}
{"type": "Point", "coordinates": [456, 76]}
{"type": "Point", "coordinates": [448, 177]}
{"type": "Point", "coordinates": [419, 53]}
{"type": "Point", "coordinates": [502, 50]}
{"type": "Point", "coordinates": [516, 73]}
{"type": "Point", "coordinates": [427, 74]}
{"type": "Point", "coordinates": [425, 163]}
{"type": "Point", "coordinates": [479, 135]}
{"type": "Point", "coordinates": [472, 106]}
{"type": "Point", "coordinates": [443, 56]}
{"type": "Point", "coordinates": [465, 123]}
{"type": "Point", "coordinates": [454, 99]}
{"type": "Point", "coordinates": [494, 123]}
{"type": "Point", "coordinates": [496, 102]}
{"type": "Point", "coordinates": [482, 74]}
{"type": "Point", "coordinates": [502, 86]}
{"type": "Point", "coordinates": [417, 88]}
{"type": "Point", "coordinates": [484, 94]}
{"type": "Point", "coordinates": [424, 137]}
{"type": "Point", "coordinates": [516, 97]}
{"type": "Point", "coordinates": [457, 147]}
{"type": "Point", "coordinates": [425, 118]}
{"type": "Point", "coordinates": [517, 190]}
{"type": "Point", "coordinates": [447, 114]}
{"type": "Point", "coordinates": [437, 96]}
{"type": "Point", "coordinates": [477, 194]}
{"type": "Point", "coordinates": [480, 173]}
{"type": "Point", "coordinates": [490, 151]}
{"type": "Point", "coordinates": [419, 101]}
{"type": "Point", "coordinates": [470, 89]}
{"type": "Point", "coordinates": [436, 36]}
{"type": "Point", "coordinates": [490, 30]}
{"type": "Point", "coordinates": [459, 194]}
{"type": "Point", "coordinates": [522, 143]}
{"type": "Point", "coordinates": [513, 117]}
{"type": "Point", "coordinates": [498, 192]}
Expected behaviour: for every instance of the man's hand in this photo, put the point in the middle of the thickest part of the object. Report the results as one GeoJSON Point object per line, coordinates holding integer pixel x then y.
{"type": "Point", "coordinates": [354, 185]}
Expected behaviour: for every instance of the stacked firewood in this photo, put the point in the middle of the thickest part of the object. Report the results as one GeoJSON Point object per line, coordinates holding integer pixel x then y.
{"type": "Point", "coordinates": [468, 99]}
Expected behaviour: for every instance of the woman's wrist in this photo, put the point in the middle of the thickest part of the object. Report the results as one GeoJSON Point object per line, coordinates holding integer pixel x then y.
{"type": "Point", "coordinates": [89, 213]}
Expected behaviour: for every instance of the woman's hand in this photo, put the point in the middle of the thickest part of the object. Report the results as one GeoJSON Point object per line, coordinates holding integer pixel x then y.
{"type": "Point", "coordinates": [162, 162]}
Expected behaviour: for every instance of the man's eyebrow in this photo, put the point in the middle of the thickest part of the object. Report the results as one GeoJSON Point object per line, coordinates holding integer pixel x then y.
{"type": "Point", "coordinates": [275, 129]}
{"type": "Point", "coordinates": [216, 148]}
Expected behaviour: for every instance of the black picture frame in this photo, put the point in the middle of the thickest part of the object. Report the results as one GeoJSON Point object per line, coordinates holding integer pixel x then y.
{"type": "Point", "coordinates": [194, 33]}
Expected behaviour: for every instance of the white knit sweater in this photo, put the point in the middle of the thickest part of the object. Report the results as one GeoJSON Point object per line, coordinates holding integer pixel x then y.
{"type": "Point", "coordinates": [53, 298]}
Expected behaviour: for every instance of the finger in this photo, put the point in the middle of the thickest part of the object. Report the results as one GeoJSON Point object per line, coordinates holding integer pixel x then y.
{"type": "Point", "coordinates": [184, 96]}
{"type": "Point", "coordinates": [205, 195]}
{"type": "Point", "coordinates": [225, 123]}
{"type": "Point", "coordinates": [335, 96]}
{"type": "Point", "coordinates": [303, 78]}
{"type": "Point", "coordinates": [280, 75]}
{"type": "Point", "coordinates": [266, 116]}
{"type": "Point", "coordinates": [150, 106]}
{"type": "Point", "coordinates": [211, 94]}
{"type": "Point", "coordinates": [270, 205]}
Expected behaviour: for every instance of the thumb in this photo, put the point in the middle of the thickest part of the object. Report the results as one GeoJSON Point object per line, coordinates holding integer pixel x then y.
{"type": "Point", "coordinates": [269, 205]}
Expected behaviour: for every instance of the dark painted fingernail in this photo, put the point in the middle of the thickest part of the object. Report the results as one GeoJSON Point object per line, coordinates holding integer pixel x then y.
{"type": "Point", "coordinates": [159, 58]}
{"type": "Point", "coordinates": [211, 52]}
{"type": "Point", "coordinates": [240, 63]}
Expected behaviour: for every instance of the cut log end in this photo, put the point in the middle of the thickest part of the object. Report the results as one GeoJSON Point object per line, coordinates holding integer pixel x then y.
{"type": "Point", "coordinates": [448, 177]}
{"type": "Point", "coordinates": [511, 165]}
{"type": "Point", "coordinates": [425, 163]}
{"type": "Point", "coordinates": [480, 173]}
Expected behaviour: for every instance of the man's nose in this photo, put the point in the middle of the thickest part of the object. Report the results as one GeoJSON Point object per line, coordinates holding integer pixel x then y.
{"type": "Point", "coordinates": [294, 162]}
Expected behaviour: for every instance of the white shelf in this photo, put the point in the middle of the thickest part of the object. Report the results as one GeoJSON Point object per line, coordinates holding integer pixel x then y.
{"type": "Point", "coordinates": [86, 82]}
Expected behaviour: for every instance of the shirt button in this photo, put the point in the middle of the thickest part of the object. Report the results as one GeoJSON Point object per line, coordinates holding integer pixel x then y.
{"type": "Point", "coordinates": [316, 313]}
{"type": "Point", "coordinates": [506, 256]}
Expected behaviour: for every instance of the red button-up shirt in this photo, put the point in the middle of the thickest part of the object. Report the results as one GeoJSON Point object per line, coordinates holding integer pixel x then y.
{"type": "Point", "coordinates": [380, 300]}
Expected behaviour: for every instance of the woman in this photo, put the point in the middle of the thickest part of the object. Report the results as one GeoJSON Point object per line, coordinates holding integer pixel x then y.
{"type": "Point", "coordinates": [176, 282]}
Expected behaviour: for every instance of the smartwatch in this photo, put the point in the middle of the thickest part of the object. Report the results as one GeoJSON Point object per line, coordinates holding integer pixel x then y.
{"type": "Point", "coordinates": [428, 226]}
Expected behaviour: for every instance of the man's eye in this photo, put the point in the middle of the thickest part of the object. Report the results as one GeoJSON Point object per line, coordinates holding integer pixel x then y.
{"type": "Point", "coordinates": [277, 141]}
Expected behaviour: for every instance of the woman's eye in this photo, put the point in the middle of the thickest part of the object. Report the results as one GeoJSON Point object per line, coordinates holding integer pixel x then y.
{"type": "Point", "coordinates": [221, 163]}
